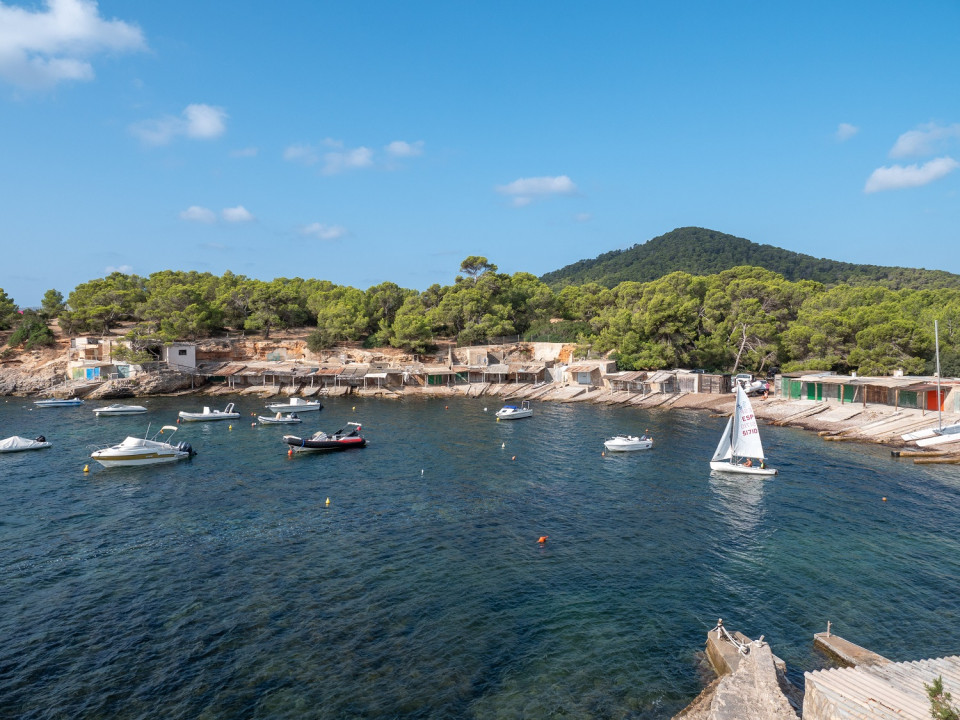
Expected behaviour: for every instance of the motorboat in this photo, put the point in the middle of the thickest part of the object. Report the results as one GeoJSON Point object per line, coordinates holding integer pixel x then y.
{"type": "Point", "coordinates": [323, 442]}
{"type": "Point", "coordinates": [209, 415]}
{"type": "Point", "coordinates": [144, 451]}
{"type": "Point", "coordinates": [296, 404]}
{"type": "Point", "coordinates": [628, 443]}
{"type": "Point", "coordinates": [749, 385]}
{"type": "Point", "coordinates": [512, 412]}
{"type": "Point", "coordinates": [18, 444]}
{"type": "Point", "coordinates": [740, 444]}
{"type": "Point", "coordinates": [118, 409]}
{"type": "Point", "coordinates": [58, 402]}
{"type": "Point", "coordinates": [280, 419]}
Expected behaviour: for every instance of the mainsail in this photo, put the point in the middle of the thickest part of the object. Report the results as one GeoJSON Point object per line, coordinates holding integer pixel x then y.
{"type": "Point", "coordinates": [745, 438]}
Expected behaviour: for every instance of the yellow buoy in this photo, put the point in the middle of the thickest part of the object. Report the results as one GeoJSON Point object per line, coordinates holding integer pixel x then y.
{"type": "Point", "coordinates": [230, 427]}
{"type": "Point", "coordinates": [327, 503]}
{"type": "Point", "coordinates": [354, 408]}
{"type": "Point", "coordinates": [86, 468]}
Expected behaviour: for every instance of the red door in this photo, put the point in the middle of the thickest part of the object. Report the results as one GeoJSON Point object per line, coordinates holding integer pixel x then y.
{"type": "Point", "coordinates": [932, 403]}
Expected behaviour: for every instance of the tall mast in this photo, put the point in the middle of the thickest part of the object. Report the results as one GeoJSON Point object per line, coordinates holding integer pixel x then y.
{"type": "Point", "coordinates": [936, 342]}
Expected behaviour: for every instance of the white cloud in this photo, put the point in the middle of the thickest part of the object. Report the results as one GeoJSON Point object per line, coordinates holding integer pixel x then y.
{"type": "Point", "coordinates": [524, 190]}
{"type": "Point", "coordinates": [583, 217]}
{"type": "Point", "coordinates": [335, 162]}
{"type": "Point", "coordinates": [399, 148]}
{"type": "Point", "coordinates": [896, 177]}
{"type": "Point", "coordinates": [304, 154]}
{"type": "Point", "coordinates": [323, 232]}
{"type": "Point", "coordinates": [125, 269]}
{"type": "Point", "coordinates": [237, 214]}
{"type": "Point", "coordinates": [197, 121]}
{"type": "Point", "coordinates": [244, 152]}
{"type": "Point", "coordinates": [845, 131]}
{"type": "Point", "coordinates": [195, 213]}
{"type": "Point", "coordinates": [925, 140]}
{"type": "Point", "coordinates": [41, 48]}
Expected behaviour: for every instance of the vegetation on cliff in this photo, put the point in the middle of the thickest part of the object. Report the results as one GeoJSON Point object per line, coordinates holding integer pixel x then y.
{"type": "Point", "coordinates": [743, 318]}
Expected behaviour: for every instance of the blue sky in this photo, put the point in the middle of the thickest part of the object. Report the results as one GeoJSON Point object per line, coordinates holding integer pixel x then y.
{"type": "Point", "coordinates": [361, 142]}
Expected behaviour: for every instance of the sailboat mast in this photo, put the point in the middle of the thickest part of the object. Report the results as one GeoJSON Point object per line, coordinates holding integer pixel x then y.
{"type": "Point", "coordinates": [936, 344]}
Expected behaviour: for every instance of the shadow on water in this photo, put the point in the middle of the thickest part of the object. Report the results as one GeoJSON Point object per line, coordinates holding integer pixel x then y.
{"type": "Point", "coordinates": [226, 586]}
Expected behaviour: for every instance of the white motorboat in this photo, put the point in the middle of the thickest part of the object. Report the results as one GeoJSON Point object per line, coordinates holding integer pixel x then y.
{"type": "Point", "coordinates": [58, 402]}
{"type": "Point", "coordinates": [18, 444]}
{"type": "Point", "coordinates": [749, 385]}
{"type": "Point", "coordinates": [740, 444]}
{"type": "Point", "coordinates": [208, 415]}
{"type": "Point", "coordinates": [280, 419]}
{"type": "Point", "coordinates": [118, 409]}
{"type": "Point", "coordinates": [296, 404]}
{"type": "Point", "coordinates": [512, 412]}
{"type": "Point", "coordinates": [628, 443]}
{"type": "Point", "coordinates": [143, 451]}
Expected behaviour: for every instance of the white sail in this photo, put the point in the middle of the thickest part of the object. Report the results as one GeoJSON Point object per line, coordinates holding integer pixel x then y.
{"type": "Point", "coordinates": [746, 434]}
{"type": "Point", "coordinates": [723, 448]}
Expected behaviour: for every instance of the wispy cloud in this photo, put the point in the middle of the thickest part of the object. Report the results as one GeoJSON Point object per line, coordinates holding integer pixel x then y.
{"type": "Point", "coordinates": [237, 214]}
{"type": "Point", "coordinates": [197, 121]}
{"type": "Point", "coordinates": [897, 177]}
{"type": "Point", "coordinates": [323, 232]}
{"type": "Point", "coordinates": [244, 152]}
{"type": "Point", "coordinates": [401, 149]}
{"type": "Point", "coordinates": [925, 140]}
{"type": "Point", "coordinates": [583, 217]}
{"type": "Point", "coordinates": [347, 159]}
{"type": "Point", "coordinates": [845, 131]}
{"type": "Point", "coordinates": [524, 190]}
{"type": "Point", "coordinates": [125, 269]}
{"type": "Point", "coordinates": [195, 213]}
{"type": "Point", "coordinates": [42, 48]}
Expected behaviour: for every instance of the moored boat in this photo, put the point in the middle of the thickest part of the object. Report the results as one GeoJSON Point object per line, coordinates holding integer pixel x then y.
{"type": "Point", "coordinates": [512, 412]}
{"type": "Point", "coordinates": [144, 451]}
{"type": "Point", "coordinates": [58, 402]}
{"type": "Point", "coordinates": [296, 404]}
{"type": "Point", "coordinates": [209, 415]}
{"type": "Point", "coordinates": [280, 419]}
{"type": "Point", "coordinates": [19, 444]}
{"type": "Point", "coordinates": [628, 443]}
{"type": "Point", "coordinates": [324, 442]}
{"type": "Point", "coordinates": [118, 409]}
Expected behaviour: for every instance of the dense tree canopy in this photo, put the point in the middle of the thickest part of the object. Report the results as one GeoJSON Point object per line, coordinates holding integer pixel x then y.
{"type": "Point", "coordinates": [743, 318]}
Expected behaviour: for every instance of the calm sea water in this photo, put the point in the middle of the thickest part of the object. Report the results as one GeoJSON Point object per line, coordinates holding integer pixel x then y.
{"type": "Point", "coordinates": [224, 587]}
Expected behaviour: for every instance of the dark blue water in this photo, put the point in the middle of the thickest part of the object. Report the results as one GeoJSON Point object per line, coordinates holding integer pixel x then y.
{"type": "Point", "coordinates": [224, 587]}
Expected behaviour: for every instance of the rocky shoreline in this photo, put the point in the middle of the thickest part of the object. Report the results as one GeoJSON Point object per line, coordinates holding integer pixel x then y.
{"type": "Point", "coordinates": [40, 374]}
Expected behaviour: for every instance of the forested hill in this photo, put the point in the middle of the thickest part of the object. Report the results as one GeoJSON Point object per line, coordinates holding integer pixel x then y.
{"type": "Point", "coordinates": [699, 251]}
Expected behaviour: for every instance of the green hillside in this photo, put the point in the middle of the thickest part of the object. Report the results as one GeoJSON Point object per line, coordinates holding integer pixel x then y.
{"type": "Point", "coordinates": [699, 251]}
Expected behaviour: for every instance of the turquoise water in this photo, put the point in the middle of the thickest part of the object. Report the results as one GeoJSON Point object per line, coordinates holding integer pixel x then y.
{"type": "Point", "coordinates": [224, 587]}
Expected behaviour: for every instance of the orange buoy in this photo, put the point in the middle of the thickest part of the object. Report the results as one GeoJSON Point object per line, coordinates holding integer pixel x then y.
{"type": "Point", "coordinates": [884, 499]}
{"type": "Point", "coordinates": [514, 457]}
{"type": "Point", "coordinates": [290, 452]}
{"type": "Point", "coordinates": [542, 539]}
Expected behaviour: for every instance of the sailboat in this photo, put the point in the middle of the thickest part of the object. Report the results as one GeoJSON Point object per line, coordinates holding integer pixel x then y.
{"type": "Point", "coordinates": [941, 434]}
{"type": "Point", "coordinates": [741, 442]}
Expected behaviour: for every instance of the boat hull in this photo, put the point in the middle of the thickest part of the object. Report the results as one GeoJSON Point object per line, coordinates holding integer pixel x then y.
{"type": "Point", "coordinates": [514, 414]}
{"type": "Point", "coordinates": [299, 445]}
{"type": "Point", "coordinates": [295, 407]}
{"type": "Point", "coordinates": [627, 445]}
{"type": "Point", "coordinates": [120, 410]}
{"type": "Point", "coordinates": [207, 417]}
{"type": "Point", "coordinates": [264, 420]}
{"type": "Point", "coordinates": [135, 460]}
{"type": "Point", "coordinates": [728, 467]}
{"type": "Point", "coordinates": [58, 403]}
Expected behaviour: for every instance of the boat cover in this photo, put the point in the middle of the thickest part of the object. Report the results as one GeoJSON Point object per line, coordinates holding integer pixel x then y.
{"type": "Point", "coordinates": [17, 443]}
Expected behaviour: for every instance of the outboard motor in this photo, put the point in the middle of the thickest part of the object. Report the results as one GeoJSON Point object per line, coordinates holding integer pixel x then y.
{"type": "Point", "coordinates": [41, 438]}
{"type": "Point", "coordinates": [187, 448]}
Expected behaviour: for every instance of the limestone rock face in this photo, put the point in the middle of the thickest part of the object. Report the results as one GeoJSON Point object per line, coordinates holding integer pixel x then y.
{"type": "Point", "coordinates": [751, 692]}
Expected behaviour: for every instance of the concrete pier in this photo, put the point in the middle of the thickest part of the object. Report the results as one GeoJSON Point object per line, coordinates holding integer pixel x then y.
{"type": "Point", "coordinates": [845, 651]}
